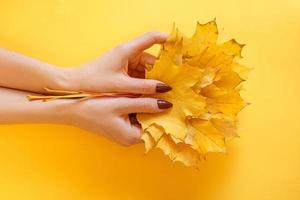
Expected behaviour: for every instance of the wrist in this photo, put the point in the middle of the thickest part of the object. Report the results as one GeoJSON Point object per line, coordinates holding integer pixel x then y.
{"type": "Point", "coordinates": [54, 112]}
{"type": "Point", "coordinates": [69, 79]}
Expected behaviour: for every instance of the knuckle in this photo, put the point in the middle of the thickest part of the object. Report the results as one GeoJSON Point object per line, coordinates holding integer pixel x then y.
{"type": "Point", "coordinates": [122, 48]}
{"type": "Point", "coordinates": [153, 34]}
{"type": "Point", "coordinates": [131, 140]}
{"type": "Point", "coordinates": [147, 104]}
{"type": "Point", "coordinates": [145, 87]}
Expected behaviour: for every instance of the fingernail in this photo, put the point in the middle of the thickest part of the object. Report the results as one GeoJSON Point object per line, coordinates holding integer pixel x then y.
{"type": "Point", "coordinates": [162, 104]}
{"type": "Point", "coordinates": [161, 87]}
{"type": "Point", "coordinates": [133, 120]}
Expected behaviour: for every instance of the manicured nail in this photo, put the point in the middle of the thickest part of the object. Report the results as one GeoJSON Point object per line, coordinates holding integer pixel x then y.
{"type": "Point", "coordinates": [162, 104]}
{"type": "Point", "coordinates": [133, 120]}
{"type": "Point", "coordinates": [161, 87]}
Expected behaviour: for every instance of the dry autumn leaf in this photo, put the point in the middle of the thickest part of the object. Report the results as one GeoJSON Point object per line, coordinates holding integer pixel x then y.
{"type": "Point", "coordinates": [205, 77]}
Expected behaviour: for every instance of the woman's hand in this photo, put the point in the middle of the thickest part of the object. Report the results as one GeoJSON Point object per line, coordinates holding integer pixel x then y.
{"type": "Point", "coordinates": [110, 116]}
{"type": "Point", "coordinates": [104, 116]}
{"type": "Point", "coordinates": [122, 69]}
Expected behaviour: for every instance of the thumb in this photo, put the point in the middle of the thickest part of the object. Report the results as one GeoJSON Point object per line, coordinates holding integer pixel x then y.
{"type": "Point", "coordinates": [145, 41]}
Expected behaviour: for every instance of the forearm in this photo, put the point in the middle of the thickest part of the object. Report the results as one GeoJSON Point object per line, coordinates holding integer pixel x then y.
{"type": "Point", "coordinates": [16, 109]}
{"type": "Point", "coordinates": [25, 73]}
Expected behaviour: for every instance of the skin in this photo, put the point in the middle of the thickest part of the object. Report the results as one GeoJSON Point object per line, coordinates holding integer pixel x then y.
{"type": "Point", "coordinates": [121, 69]}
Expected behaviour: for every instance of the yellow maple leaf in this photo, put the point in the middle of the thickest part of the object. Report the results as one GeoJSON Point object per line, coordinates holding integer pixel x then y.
{"type": "Point", "coordinates": [155, 136]}
{"type": "Point", "coordinates": [205, 77]}
{"type": "Point", "coordinates": [185, 101]}
{"type": "Point", "coordinates": [204, 137]}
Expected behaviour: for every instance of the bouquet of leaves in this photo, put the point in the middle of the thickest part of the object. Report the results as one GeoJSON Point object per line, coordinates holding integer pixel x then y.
{"type": "Point", "coordinates": [205, 78]}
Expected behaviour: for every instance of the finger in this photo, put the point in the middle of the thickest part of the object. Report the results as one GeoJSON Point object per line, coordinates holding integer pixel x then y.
{"type": "Point", "coordinates": [130, 134]}
{"type": "Point", "coordinates": [147, 59]}
{"type": "Point", "coordinates": [140, 68]}
{"type": "Point", "coordinates": [142, 60]}
{"type": "Point", "coordinates": [141, 105]}
{"type": "Point", "coordinates": [139, 72]}
{"type": "Point", "coordinates": [143, 86]}
{"type": "Point", "coordinates": [144, 42]}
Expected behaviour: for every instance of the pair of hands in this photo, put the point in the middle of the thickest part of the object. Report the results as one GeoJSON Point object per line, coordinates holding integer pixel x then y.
{"type": "Point", "coordinates": [122, 69]}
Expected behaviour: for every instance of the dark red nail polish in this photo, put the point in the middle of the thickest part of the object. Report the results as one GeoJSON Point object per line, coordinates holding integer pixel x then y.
{"type": "Point", "coordinates": [162, 104]}
{"type": "Point", "coordinates": [161, 88]}
{"type": "Point", "coordinates": [133, 120]}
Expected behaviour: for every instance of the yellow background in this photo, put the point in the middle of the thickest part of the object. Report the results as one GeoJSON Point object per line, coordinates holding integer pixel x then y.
{"type": "Point", "coordinates": [58, 162]}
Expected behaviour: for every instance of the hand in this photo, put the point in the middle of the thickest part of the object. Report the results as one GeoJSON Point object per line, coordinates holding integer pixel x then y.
{"type": "Point", "coordinates": [104, 116]}
{"type": "Point", "coordinates": [110, 116]}
{"type": "Point", "coordinates": [122, 69]}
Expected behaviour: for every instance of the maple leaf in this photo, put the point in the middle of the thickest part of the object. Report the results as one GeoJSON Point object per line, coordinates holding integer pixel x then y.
{"type": "Point", "coordinates": [205, 77]}
{"type": "Point", "coordinates": [185, 101]}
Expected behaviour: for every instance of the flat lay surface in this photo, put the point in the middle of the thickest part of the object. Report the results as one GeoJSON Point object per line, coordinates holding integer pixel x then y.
{"type": "Point", "coordinates": [60, 162]}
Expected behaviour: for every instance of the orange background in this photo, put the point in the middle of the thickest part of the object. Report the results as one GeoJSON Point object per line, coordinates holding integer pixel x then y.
{"type": "Point", "coordinates": [59, 162]}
